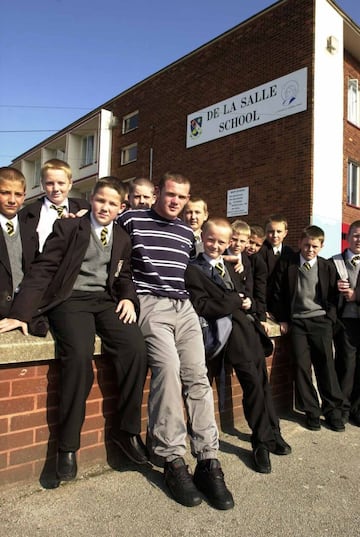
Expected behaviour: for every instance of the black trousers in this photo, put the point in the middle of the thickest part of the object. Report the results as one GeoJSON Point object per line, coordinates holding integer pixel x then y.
{"type": "Point", "coordinates": [245, 352]}
{"type": "Point", "coordinates": [312, 345]}
{"type": "Point", "coordinates": [74, 324]}
{"type": "Point", "coordinates": [347, 364]}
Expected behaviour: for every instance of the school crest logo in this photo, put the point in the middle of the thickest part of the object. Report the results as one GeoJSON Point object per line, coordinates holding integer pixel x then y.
{"type": "Point", "coordinates": [195, 127]}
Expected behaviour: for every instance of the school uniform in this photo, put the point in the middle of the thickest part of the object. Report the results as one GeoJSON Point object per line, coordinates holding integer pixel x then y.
{"type": "Point", "coordinates": [271, 259]}
{"type": "Point", "coordinates": [307, 300]}
{"type": "Point", "coordinates": [30, 215]}
{"type": "Point", "coordinates": [214, 296]}
{"type": "Point", "coordinates": [260, 276]}
{"type": "Point", "coordinates": [23, 248]}
{"type": "Point", "coordinates": [347, 337]}
{"type": "Point", "coordinates": [80, 301]}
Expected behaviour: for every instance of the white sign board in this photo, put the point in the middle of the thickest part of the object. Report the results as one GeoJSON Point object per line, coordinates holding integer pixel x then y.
{"type": "Point", "coordinates": [274, 100]}
{"type": "Point", "coordinates": [237, 202]}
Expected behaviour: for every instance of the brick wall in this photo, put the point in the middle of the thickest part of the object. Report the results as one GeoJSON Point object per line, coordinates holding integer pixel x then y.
{"type": "Point", "coordinates": [28, 410]}
{"type": "Point", "coordinates": [274, 160]}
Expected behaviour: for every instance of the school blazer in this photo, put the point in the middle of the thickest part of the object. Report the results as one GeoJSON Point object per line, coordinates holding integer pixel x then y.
{"type": "Point", "coordinates": [267, 253]}
{"type": "Point", "coordinates": [340, 304]}
{"type": "Point", "coordinates": [283, 290]}
{"type": "Point", "coordinates": [51, 277]}
{"type": "Point", "coordinates": [211, 299]}
{"type": "Point", "coordinates": [30, 215]}
{"type": "Point", "coordinates": [6, 283]}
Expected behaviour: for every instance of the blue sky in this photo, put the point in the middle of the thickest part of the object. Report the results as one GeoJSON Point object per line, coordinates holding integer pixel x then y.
{"type": "Point", "coordinates": [59, 59]}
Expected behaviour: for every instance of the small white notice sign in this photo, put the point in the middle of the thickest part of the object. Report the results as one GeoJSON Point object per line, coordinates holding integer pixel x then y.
{"type": "Point", "coordinates": [237, 202]}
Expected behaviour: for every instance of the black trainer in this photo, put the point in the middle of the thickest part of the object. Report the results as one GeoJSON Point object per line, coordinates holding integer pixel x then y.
{"type": "Point", "coordinates": [180, 483]}
{"type": "Point", "coordinates": [209, 479]}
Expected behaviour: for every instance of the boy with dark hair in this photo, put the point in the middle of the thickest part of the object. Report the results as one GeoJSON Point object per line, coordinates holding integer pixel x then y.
{"type": "Point", "coordinates": [39, 216]}
{"type": "Point", "coordinates": [347, 338]}
{"type": "Point", "coordinates": [216, 291]}
{"type": "Point", "coordinates": [304, 297]}
{"type": "Point", "coordinates": [82, 280]}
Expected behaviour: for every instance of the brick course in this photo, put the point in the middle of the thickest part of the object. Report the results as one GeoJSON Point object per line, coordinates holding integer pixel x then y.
{"type": "Point", "coordinates": [28, 423]}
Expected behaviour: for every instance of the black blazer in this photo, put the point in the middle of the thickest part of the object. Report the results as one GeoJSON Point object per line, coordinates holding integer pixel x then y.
{"type": "Point", "coordinates": [284, 288]}
{"type": "Point", "coordinates": [211, 299]}
{"type": "Point", "coordinates": [30, 215]}
{"type": "Point", "coordinates": [341, 303]}
{"type": "Point", "coordinates": [260, 276]}
{"type": "Point", "coordinates": [51, 277]}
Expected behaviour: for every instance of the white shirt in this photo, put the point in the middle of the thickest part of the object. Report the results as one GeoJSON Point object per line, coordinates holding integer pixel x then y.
{"type": "Point", "coordinates": [47, 219]}
{"type": "Point", "coordinates": [98, 228]}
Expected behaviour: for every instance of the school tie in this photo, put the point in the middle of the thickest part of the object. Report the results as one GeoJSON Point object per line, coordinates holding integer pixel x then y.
{"type": "Point", "coordinates": [103, 236]}
{"type": "Point", "coordinates": [355, 260]}
{"type": "Point", "coordinates": [59, 209]}
{"type": "Point", "coordinates": [277, 253]}
{"type": "Point", "coordinates": [10, 228]}
{"type": "Point", "coordinates": [220, 268]}
{"type": "Point", "coordinates": [306, 266]}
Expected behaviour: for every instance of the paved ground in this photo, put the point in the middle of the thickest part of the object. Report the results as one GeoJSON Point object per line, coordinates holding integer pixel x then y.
{"type": "Point", "coordinates": [314, 492]}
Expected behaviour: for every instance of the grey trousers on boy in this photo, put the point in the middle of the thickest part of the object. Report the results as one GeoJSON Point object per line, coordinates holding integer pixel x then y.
{"type": "Point", "coordinates": [176, 357]}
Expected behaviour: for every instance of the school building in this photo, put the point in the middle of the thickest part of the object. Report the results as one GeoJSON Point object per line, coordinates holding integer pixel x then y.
{"type": "Point", "coordinates": [264, 118]}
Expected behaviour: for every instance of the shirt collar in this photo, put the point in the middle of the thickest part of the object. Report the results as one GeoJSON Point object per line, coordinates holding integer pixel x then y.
{"type": "Point", "coordinates": [98, 227]}
{"type": "Point", "coordinates": [3, 221]}
{"type": "Point", "coordinates": [311, 262]}
{"type": "Point", "coordinates": [212, 261]}
{"type": "Point", "coordinates": [49, 203]}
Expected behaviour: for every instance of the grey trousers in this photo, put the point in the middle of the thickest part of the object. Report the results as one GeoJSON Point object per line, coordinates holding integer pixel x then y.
{"type": "Point", "coordinates": [178, 374]}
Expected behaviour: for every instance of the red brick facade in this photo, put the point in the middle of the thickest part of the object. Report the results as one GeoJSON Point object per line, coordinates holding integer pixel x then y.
{"type": "Point", "coordinates": [273, 159]}
{"type": "Point", "coordinates": [28, 410]}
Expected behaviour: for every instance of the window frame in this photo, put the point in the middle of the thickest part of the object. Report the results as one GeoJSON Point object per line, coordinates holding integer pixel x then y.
{"type": "Point", "coordinates": [353, 108]}
{"type": "Point", "coordinates": [126, 157]}
{"type": "Point", "coordinates": [353, 184]}
{"type": "Point", "coordinates": [87, 154]}
{"type": "Point", "coordinates": [126, 122]}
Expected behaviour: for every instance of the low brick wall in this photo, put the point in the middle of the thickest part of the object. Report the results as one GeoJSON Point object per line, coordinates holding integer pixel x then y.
{"type": "Point", "coordinates": [29, 376]}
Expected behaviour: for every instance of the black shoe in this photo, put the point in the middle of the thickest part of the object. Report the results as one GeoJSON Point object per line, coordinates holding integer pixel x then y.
{"type": "Point", "coordinates": [281, 447]}
{"type": "Point", "coordinates": [313, 423]}
{"type": "Point", "coordinates": [66, 468]}
{"type": "Point", "coordinates": [209, 479]}
{"type": "Point", "coordinates": [355, 419]}
{"type": "Point", "coordinates": [132, 446]}
{"type": "Point", "coordinates": [262, 460]}
{"type": "Point", "coordinates": [335, 424]}
{"type": "Point", "coordinates": [180, 483]}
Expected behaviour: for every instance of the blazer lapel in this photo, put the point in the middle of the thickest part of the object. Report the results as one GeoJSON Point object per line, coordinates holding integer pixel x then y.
{"type": "Point", "coordinates": [4, 257]}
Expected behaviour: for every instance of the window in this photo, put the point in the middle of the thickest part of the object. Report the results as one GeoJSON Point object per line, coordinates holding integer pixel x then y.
{"type": "Point", "coordinates": [353, 190]}
{"type": "Point", "coordinates": [128, 154]}
{"type": "Point", "coordinates": [130, 122]}
{"type": "Point", "coordinates": [36, 176]}
{"type": "Point", "coordinates": [353, 102]}
{"type": "Point", "coordinates": [87, 150]}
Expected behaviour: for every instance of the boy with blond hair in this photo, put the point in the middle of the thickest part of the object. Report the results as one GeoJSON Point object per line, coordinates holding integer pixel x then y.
{"type": "Point", "coordinates": [141, 193]}
{"type": "Point", "coordinates": [216, 290]}
{"type": "Point", "coordinates": [39, 216]}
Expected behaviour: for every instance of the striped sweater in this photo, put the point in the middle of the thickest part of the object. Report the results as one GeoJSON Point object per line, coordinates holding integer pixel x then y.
{"type": "Point", "coordinates": [160, 252]}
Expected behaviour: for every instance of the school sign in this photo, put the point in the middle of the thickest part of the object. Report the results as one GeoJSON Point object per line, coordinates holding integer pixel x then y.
{"type": "Point", "coordinates": [271, 101]}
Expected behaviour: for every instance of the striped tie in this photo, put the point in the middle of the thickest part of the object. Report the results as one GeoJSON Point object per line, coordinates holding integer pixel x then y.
{"type": "Point", "coordinates": [59, 209]}
{"type": "Point", "coordinates": [220, 268]}
{"type": "Point", "coordinates": [306, 266]}
{"type": "Point", "coordinates": [355, 260]}
{"type": "Point", "coordinates": [10, 228]}
{"type": "Point", "coordinates": [103, 236]}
